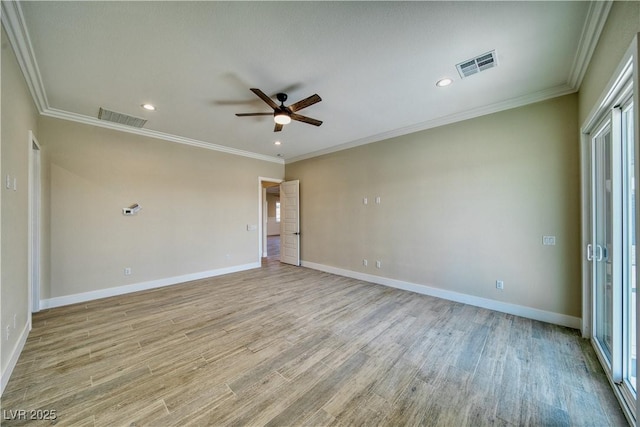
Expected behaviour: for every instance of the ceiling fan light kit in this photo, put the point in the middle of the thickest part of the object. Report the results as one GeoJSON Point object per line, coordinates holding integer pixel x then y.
{"type": "Point", "coordinates": [282, 114]}
{"type": "Point", "coordinates": [281, 118]}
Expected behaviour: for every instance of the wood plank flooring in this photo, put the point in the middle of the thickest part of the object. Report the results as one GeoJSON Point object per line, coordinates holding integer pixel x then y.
{"type": "Point", "coordinates": [289, 346]}
{"type": "Point", "coordinates": [273, 247]}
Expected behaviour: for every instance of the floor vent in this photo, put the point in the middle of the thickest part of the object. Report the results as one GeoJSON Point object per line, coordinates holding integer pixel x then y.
{"type": "Point", "coordinates": [120, 118]}
{"type": "Point", "coordinates": [479, 63]}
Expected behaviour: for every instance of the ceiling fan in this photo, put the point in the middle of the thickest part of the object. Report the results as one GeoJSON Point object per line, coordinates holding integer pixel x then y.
{"type": "Point", "coordinates": [283, 115]}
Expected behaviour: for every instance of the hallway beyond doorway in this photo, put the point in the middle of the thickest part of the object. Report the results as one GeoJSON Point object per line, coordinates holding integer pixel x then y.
{"type": "Point", "coordinates": [273, 247]}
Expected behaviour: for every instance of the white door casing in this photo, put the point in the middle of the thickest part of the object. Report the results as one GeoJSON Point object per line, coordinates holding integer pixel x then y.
{"type": "Point", "coordinates": [265, 217]}
{"type": "Point", "coordinates": [34, 226]}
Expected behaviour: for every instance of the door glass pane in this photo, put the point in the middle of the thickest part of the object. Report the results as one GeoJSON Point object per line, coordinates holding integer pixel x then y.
{"type": "Point", "coordinates": [629, 321]}
{"type": "Point", "coordinates": [603, 241]}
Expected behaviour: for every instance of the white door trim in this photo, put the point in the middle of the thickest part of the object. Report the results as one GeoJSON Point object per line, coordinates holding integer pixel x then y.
{"type": "Point", "coordinates": [606, 101]}
{"type": "Point", "coordinates": [35, 226]}
{"type": "Point", "coordinates": [626, 75]}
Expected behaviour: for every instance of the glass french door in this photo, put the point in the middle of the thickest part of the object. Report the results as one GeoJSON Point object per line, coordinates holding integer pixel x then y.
{"type": "Point", "coordinates": [602, 251]}
{"type": "Point", "coordinates": [628, 314]}
{"type": "Point", "coordinates": [612, 248]}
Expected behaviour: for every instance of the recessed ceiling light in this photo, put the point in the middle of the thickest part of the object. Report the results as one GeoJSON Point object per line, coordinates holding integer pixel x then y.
{"type": "Point", "coordinates": [444, 82]}
{"type": "Point", "coordinates": [148, 107]}
{"type": "Point", "coordinates": [278, 143]}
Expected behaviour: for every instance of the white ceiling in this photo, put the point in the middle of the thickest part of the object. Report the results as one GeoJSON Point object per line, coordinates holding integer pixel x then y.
{"type": "Point", "coordinates": [375, 64]}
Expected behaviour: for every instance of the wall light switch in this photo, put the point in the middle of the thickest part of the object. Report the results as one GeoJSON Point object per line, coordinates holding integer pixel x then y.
{"type": "Point", "coordinates": [365, 201]}
{"type": "Point", "coordinates": [378, 200]}
{"type": "Point", "coordinates": [15, 184]}
{"type": "Point", "coordinates": [7, 182]}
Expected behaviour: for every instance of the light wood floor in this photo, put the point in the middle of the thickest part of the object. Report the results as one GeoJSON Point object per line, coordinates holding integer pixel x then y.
{"type": "Point", "coordinates": [273, 247]}
{"type": "Point", "coordinates": [289, 346]}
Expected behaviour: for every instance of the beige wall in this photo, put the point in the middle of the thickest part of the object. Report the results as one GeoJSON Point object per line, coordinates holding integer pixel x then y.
{"type": "Point", "coordinates": [18, 116]}
{"type": "Point", "coordinates": [622, 25]}
{"type": "Point", "coordinates": [271, 205]}
{"type": "Point", "coordinates": [196, 205]}
{"type": "Point", "coordinates": [461, 206]}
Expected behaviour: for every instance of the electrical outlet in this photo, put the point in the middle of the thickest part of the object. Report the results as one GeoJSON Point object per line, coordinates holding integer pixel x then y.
{"type": "Point", "coordinates": [365, 262]}
{"type": "Point", "coordinates": [499, 284]}
{"type": "Point", "coordinates": [378, 200]}
{"type": "Point", "coordinates": [7, 182]}
{"type": "Point", "coordinates": [378, 264]}
{"type": "Point", "coordinates": [549, 240]}
{"type": "Point", "coordinates": [127, 271]}
{"type": "Point", "coordinates": [365, 201]}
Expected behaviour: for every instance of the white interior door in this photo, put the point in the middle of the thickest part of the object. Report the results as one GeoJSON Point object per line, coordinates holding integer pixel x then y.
{"type": "Point", "coordinates": [290, 222]}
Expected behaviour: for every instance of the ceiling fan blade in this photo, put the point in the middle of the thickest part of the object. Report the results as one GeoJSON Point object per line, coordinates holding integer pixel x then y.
{"type": "Point", "coordinates": [306, 119]}
{"type": "Point", "coordinates": [253, 114]}
{"type": "Point", "coordinates": [265, 98]}
{"type": "Point", "coordinates": [277, 128]}
{"type": "Point", "coordinates": [304, 103]}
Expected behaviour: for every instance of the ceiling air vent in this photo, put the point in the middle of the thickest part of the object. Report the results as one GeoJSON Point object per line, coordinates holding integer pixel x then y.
{"type": "Point", "coordinates": [120, 118]}
{"type": "Point", "coordinates": [477, 64]}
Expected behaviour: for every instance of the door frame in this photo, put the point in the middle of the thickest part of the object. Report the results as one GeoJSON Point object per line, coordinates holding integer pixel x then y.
{"type": "Point", "coordinates": [626, 71]}
{"type": "Point", "coordinates": [262, 198]}
{"type": "Point", "coordinates": [35, 226]}
{"type": "Point", "coordinates": [606, 101]}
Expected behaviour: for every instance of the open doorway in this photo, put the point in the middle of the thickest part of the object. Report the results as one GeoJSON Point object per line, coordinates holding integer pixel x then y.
{"type": "Point", "coordinates": [272, 223]}
{"type": "Point", "coordinates": [269, 229]}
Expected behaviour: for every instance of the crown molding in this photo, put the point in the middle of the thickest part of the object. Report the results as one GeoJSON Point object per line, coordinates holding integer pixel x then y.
{"type": "Point", "coordinates": [594, 23]}
{"type": "Point", "coordinates": [13, 23]}
{"type": "Point", "coordinates": [447, 120]}
{"type": "Point", "coordinates": [79, 118]}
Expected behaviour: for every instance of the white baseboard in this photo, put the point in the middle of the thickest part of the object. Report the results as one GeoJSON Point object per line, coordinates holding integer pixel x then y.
{"type": "Point", "coordinates": [142, 286]}
{"type": "Point", "coordinates": [504, 307]}
{"type": "Point", "coordinates": [15, 354]}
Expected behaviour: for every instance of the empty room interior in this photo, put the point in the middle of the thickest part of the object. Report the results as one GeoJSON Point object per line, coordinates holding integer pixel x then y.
{"type": "Point", "coordinates": [319, 213]}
